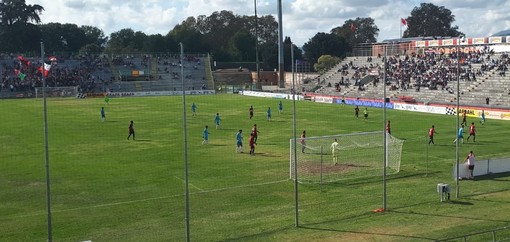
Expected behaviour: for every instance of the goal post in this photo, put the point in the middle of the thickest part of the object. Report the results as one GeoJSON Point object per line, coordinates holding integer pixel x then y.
{"type": "Point", "coordinates": [70, 91]}
{"type": "Point", "coordinates": [356, 155]}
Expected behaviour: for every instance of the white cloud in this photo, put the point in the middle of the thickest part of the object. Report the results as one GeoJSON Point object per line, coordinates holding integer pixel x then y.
{"type": "Point", "coordinates": [302, 18]}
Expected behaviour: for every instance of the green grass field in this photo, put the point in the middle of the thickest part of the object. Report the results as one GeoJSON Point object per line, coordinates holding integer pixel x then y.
{"type": "Point", "coordinates": [106, 188]}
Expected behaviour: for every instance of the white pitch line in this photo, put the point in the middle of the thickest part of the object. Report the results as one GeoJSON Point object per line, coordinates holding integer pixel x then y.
{"type": "Point", "coordinates": [142, 200]}
{"type": "Point", "coordinates": [243, 186]}
{"type": "Point", "coordinates": [200, 189]}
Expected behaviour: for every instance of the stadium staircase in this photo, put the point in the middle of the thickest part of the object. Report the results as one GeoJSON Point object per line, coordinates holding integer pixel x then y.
{"type": "Point", "coordinates": [208, 72]}
{"type": "Point", "coordinates": [154, 68]}
{"type": "Point", "coordinates": [138, 86]}
{"type": "Point", "coordinates": [113, 68]}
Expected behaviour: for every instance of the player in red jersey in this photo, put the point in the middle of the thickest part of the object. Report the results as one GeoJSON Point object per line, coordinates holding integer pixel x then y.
{"type": "Point", "coordinates": [251, 141]}
{"type": "Point", "coordinates": [432, 131]}
{"type": "Point", "coordinates": [472, 132]}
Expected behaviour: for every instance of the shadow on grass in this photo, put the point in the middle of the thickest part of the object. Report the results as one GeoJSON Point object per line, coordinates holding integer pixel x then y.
{"type": "Point", "coordinates": [482, 143]}
{"type": "Point", "coordinates": [494, 177]}
{"type": "Point", "coordinates": [375, 179]}
{"type": "Point", "coordinates": [451, 216]}
{"type": "Point", "coordinates": [487, 200]}
{"type": "Point", "coordinates": [266, 154]}
{"type": "Point", "coordinates": [460, 202]}
{"type": "Point", "coordinates": [257, 235]}
{"type": "Point", "coordinates": [368, 233]}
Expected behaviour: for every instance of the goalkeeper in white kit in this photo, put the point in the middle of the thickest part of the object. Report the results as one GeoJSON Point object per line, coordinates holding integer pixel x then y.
{"type": "Point", "coordinates": [334, 152]}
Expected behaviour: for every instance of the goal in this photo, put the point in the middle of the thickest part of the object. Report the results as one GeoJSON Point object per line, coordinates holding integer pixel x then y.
{"type": "Point", "coordinates": [57, 91]}
{"type": "Point", "coordinates": [357, 155]}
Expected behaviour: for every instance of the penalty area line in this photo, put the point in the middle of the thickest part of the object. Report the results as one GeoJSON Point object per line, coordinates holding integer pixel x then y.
{"type": "Point", "coordinates": [139, 200]}
{"type": "Point", "coordinates": [198, 188]}
{"type": "Point", "coordinates": [242, 186]}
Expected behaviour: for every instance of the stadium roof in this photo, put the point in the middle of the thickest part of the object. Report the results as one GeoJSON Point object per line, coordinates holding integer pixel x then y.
{"type": "Point", "coordinates": [413, 39]}
{"type": "Point", "coordinates": [502, 33]}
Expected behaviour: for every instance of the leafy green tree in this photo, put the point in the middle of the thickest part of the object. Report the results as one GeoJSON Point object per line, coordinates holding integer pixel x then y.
{"type": "Point", "coordinates": [219, 27]}
{"type": "Point", "coordinates": [155, 43]}
{"type": "Point", "coordinates": [72, 38]}
{"type": "Point", "coordinates": [126, 41]}
{"type": "Point", "coordinates": [52, 36]}
{"type": "Point", "coordinates": [17, 31]}
{"type": "Point", "coordinates": [17, 11]}
{"type": "Point", "coordinates": [90, 49]}
{"type": "Point", "coordinates": [242, 46]}
{"type": "Point", "coordinates": [325, 63]}
{"type": "Point", "coordinates": [357, 31]}
{"type": "Point", "coordinates": [188, 34]}
{"type": "Point", "coordinates": [324, 44]}
{"type": "Point", "coordinates": [267, 28]}
{"type": "Point", "coordinates": [431, 20]}
{"type": "Point", "coordinates": [268, 54]}
{"type": "Point", "coordinates": [298, 54]}
{"type": "Point", "coordinates": [94, 35]}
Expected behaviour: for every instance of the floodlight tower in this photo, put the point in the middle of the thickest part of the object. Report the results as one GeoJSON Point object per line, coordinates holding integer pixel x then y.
{"type": "Point", "coordinates": [257, 84]}
{"type": "Point", "coordinates": [461, 39]}
{"type": "Point", "coordinates": [281, 68]}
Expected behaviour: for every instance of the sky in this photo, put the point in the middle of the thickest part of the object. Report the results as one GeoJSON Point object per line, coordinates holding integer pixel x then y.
{"type": "Point", "coordinates": [302, 19]}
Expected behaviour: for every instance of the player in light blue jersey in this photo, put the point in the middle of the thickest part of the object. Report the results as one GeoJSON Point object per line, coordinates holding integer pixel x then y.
{"type": "Point", "coordinates": [460, 135]}
{"type": "Point", "coordinates": [194, 109]}
{"type": "Point", "coordinates": [217, 120]}
{"type": "Point", "coordinates": [103, 114]}
{"type": "Point", "coordinates": [206, 135]}
{"type": "Point", "coordinates": [239, 138]}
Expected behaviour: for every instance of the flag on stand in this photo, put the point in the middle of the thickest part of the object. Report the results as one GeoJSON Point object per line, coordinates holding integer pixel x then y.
{"type": "Point", "coordinates": [20, 74]}
{"type": "Point", "coordinates": [403, 21]}
{"type": "Point", "coordinates": [23, 61]}
{"type": "Point", "coordinates": [46, 67]}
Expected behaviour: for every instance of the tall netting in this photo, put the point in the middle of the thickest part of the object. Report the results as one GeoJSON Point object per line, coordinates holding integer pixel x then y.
{"type": "Point", "coordinates": [356, 155]}
{"type": "Point", "coordinates": [57, 91]}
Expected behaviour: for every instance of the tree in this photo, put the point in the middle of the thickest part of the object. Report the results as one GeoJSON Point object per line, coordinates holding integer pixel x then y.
{"type": "Point", "coordinates": [17, 11]}
{"type": "Point", "coordinates": [219, 27]}
{"type": "Point", "coordinates": [188, 34]}
{"type": "Point", "coordinates": [431, 20]}
{"type": "Point", "coordinates": [268, 56]}
{"type": "Point", "coordinates": [325, 63]}
{"type": "Point", "coordinates": [357, 31]}
{"type": "Point", "coordinates": [155, 43]}
{"type": "Point", "coordinates": [126, 41]}
{"type": "Point", "coordinates": [94, 35]}
{"type": "Point", "coordinates": [90, 49]}
{"type": "Point", "coordinates": [324, 44]}
{"type": "Point", "coordinates": [17, 31]}
{"type": "Point", "coordinates": [298, 54]}
{"type": "Point", "coordinates": [242, 45]}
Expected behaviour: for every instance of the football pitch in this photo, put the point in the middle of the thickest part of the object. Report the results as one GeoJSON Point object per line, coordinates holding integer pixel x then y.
{"type": "Point", "coordinates": [107, 188]}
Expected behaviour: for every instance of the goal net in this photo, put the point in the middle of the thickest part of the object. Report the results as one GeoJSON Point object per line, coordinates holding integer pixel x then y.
{"type": "Point", "coordinates": [57, 91]}
{"type": "Point", "coordinates": [356, 155]}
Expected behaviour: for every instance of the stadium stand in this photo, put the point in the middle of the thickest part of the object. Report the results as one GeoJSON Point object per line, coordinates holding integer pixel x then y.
{"type": "Point", "coordinates": [159, 73]}
{"type": "Point", "coordinates": [96, 74]}
{"type": "Point", "coordinates": [427, 78]}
